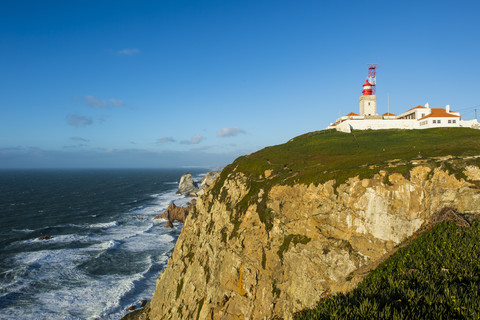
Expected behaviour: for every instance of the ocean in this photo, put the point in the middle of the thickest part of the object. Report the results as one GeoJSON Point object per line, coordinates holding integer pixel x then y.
{"type": "Point", "coordinates": [106, 250]}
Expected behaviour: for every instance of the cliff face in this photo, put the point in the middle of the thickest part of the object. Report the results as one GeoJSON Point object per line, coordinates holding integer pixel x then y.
{"type": "Point", "coordinates": [295, 242]}
{"type": "Point", "coordinates": [283, 226]}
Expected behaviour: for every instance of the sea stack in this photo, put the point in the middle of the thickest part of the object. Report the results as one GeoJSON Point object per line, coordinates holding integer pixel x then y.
{"type": "Point", "coordinates": [187, 186]}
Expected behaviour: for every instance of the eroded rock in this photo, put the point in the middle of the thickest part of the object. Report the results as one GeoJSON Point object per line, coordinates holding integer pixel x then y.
{"type": "Point", "coordinates": [45, 237]}
{"type": "Point", "coordinates": [175, 213]}
{"type": "Point", "coordinates": [208, 179]}
{"type": "Point", "coordinates": [228, 264]}
{"type": "Point", "coordinates": [187, 185]}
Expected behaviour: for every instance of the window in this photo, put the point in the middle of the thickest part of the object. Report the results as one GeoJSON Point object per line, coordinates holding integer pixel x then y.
{"type": "Point", "coordinates": [438, 121]}
{"type": "Point", "coordinates": [434, 121]}
{"type": "Point", "coordinates": [449, 121]}
{"type": "Point", "coordinates": [423, 115]}
{"type": "Point", "coordinates": [454, 121]}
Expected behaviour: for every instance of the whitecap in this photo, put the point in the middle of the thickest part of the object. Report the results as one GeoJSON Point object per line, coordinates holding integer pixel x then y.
{"type": "Point", "coordinates": [60, 238]}
{"type": "Point", "coordinates": [110, 245]}
{"type": "Point", "coordinates": [148, 241]}
{"type": "Point", "coordinates": [105, 225]}
{"type": "Point", "coordinates": [23, 230]}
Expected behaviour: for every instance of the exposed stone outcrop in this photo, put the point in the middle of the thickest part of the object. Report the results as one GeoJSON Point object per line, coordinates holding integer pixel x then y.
{"type": "Point", "coordinates": [208, 179]}
{"type": "Point", "coordinates": [187, 186]}
{"type": "Point", "coordinates": [45, 237]}
{"type": "Point", "coordinates": [295, 243]}
{"type": "Point", "coordinates": [175, 213]}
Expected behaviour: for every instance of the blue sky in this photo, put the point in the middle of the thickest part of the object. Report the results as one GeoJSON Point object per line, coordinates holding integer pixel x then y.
{"type": "Point", "coordinates": [198, 83]}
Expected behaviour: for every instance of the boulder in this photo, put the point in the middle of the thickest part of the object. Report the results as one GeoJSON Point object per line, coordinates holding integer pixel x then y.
{"type": "Point", "coordinates": [131, 308]}
{"type": "Point", "coordinates": [45, 237]}
{"type": "Point", "coordinates": [187, 185]}
{"type": "Point", "coordinates": [208, 179]}
{"type": "Point", "coordinates": [143, 303]}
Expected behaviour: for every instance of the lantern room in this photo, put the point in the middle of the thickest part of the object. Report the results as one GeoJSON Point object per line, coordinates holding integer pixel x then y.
{"type": "Point", "coordinates": [367, 89]}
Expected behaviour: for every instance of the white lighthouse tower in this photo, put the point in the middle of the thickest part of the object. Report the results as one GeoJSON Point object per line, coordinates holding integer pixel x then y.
{"type": "Point", "coordinates": [368, 100]}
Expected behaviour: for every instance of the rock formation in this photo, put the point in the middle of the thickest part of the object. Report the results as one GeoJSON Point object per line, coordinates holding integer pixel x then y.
{"type": "Point", "coordinates": [208, 179]}
{"type": "Point", "coordinates": [45, 237]}
{"type": "Point", "coordinates": [316, 236]}
{"type": "Point", "coordinates": [175, 213]}
{"type": "Point", "coordinates": [187, 186]}
{"type": "Point", "coordinates": [252, 249]}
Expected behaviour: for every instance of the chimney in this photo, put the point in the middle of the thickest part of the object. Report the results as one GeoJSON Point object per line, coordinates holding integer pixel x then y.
{"type": "Point", "coordinates": [447, 108]}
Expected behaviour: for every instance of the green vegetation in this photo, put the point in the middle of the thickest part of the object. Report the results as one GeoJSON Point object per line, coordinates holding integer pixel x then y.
{"type": "Point", "coordinates": [179, 288]}
{"type": "Point", "coordinates": [200, 306]}
{"type": "Point", "coordinates": [275, 291]}
{"type": "Point", "coordinates": [264, 259]}
{"type": "Point", "coordinates": [437, 276]}
{"type": "Point", "coordinates": [266, 216]}
{"type": "Point", "coordinates": [224, 234]}
{"type": "Point", "coordinates": [189, 255]}
{"type": "Point", "coordinates": [321, 156]}
{"type": "Point", "coordinates": [236, 221]}
{"type": "Point", "coordinates": [206, 268]}
{"type": "Point", "coordinates": [210, 226]}
{"type": "Point", "coordinates": [291, 238]}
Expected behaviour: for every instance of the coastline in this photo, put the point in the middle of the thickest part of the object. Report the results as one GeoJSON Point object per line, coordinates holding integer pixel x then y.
{"type": "Point", "coordinates": [100, 258]}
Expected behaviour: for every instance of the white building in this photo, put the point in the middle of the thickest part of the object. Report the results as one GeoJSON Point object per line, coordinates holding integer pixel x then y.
{"type": "Point", "coordinates": [420, 117]}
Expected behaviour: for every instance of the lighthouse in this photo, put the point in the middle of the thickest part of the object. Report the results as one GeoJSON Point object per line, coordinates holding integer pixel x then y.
{"type": "Point", "coordinates": [367, 88]}
{"type": "Point", "coordinates": [368, 99]}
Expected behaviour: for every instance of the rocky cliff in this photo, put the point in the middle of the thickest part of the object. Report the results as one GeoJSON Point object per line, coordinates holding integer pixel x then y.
{"type": "Point", "coordinates": [265, 240]}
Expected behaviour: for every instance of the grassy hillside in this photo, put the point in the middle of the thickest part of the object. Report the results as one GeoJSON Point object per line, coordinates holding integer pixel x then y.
{"type": "Point", "coordinates": [320, 156]}
{"type": "Point", "coordinates": [325, 155]}
{"type": "Point", "coordinates": [437, 276]}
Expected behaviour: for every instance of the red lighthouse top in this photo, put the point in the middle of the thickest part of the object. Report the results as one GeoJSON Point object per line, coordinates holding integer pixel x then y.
{"type": "Point", "coordinates": [367, 89]}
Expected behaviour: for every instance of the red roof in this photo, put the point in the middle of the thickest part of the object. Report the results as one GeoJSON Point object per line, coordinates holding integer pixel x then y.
{"type": "Point", "coordinates": [439, 113]}
{"type": "Point", "coordinates": [416, 108]}
{"type": "Point", "coordinates": [388, 114]}
{"type": "Point", "coordinates": [352, 114]}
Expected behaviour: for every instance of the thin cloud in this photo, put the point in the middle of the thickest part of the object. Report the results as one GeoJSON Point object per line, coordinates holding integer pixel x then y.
{"type": "Point", "coordinates": [79, 139]}
{"type": "Point", "coordinates": [229, 132]}
{"type": "Point", "coordinates": [80, 145]}
{"type": "Point", "coordinates": [94, 102]}
{"type": "Point", "coordinates": [163, 140]}
{"type": "Point", "coordinates": [97, 103]}
{"type": "Point", "coordinates": [128, 52]}
{"type": "Point", "coordinates": [116, 102]}
{"type": "Point", "coordinates": [195, 140]}
{"type": "Point", "coordinates": [203, 148]}
{"type": "Point", "coordinates": [76, 120]}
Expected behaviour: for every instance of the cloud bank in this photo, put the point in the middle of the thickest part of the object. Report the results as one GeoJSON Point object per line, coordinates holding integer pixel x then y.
{"type": "Point", "coordinates": [78, 157]}
{"type": "Point", "coordinates": [79, 139]}
{"type": "Point", "coordinates": [163, 140]}
{"type": "Point", "coordinates": [128, 52]}
{"type": "Point", "coordinates": [97, 103]}
{"type": "Point", "coordinates": [195, 140]}
{"type": "Point", "coordinates": [229, 132]}
{"type": "Point", "coordinates": [76, 120]}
